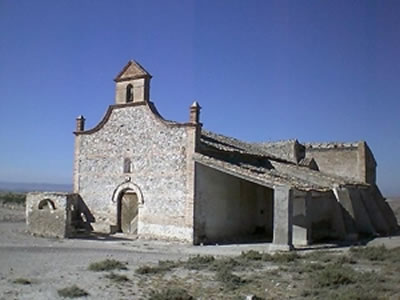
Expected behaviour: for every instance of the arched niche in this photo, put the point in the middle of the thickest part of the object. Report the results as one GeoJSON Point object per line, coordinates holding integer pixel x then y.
{"type": "Point", "coordinates": [46, 204]}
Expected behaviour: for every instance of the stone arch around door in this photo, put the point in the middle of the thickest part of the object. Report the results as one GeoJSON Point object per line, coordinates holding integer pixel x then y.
{"type": "Point", "coordinates": [129, 199]}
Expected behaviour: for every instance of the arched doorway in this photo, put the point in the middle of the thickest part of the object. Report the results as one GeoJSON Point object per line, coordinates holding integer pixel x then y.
{"type": "Point", "coordinates": [128, 212]}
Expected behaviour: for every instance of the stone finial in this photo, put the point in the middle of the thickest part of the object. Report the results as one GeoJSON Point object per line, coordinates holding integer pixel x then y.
{"type": "Point", "coordinates": [195, 113]}
{"type": "Point", "coordinates": [80, 123]}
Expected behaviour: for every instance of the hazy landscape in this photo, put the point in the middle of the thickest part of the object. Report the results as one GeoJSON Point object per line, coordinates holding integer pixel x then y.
{"type": "Point", "coordinates": [115, 267]}
{"type": "Point", "coordinates": [30, 187]}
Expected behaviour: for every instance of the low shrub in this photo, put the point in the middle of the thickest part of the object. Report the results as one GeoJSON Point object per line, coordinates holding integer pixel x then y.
{"type": "Point", "coordinates": [13, 198]}
{"type": "Point", "coordinates": [173, 293]}
{"type": "Point", "coordinates": [281, 257]}
{"type": "Point", "coordinates": [343, 259]}
{"type": "Point", "coordinates": [168, 264]}
{"type": "Point", "coordinates": [199, 262]}
{"type": "Point", "coordinates": [72, 292]}
{"type": "Point", "coordinates": [107, 265]}
{"type": "Point", "coordinates": [142, 270]}
{"type": "Point", "coordinates": [229, 263]}
{"type": "Point", "coordinates": [163, 266]}
{"type": "Point", "coordinates": [251, 255]}
{"type": "Point", "coordinates": [320, 256]}
{"type": "Point", "coordinates": [380, 253]}
{"type": "Point", "coordinates": [118, 278]}
{"type": "Point", "coordinates": [306, 267]}
{"type": "Point", "coordinates": [228, 279]}
{"type": "Point", "coordinates": [23, 281]}
{"type": "Point", "coordinates": [353, 293]}
{"type": "Point", "coordinates": [333, 275]}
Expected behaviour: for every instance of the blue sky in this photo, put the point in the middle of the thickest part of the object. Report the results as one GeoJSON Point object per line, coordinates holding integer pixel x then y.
{"type": "Point", "coordinates": [261, 70]}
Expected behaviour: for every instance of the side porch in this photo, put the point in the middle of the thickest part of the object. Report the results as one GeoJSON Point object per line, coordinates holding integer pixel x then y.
{"type": "Point", "coordinates": [231, 207]}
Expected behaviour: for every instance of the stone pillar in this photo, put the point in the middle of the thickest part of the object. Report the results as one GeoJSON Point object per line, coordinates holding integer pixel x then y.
{"type": "Point", "coordinates": [193, 139]}
{"type": "Point", "coordinates": [195, 113]}
{"type": "Point", "coordinates": [301, 218]}
{"type": "Point", "coordinates": [283, 212]}
{"type": "Point", "coordinates": [80, 124]}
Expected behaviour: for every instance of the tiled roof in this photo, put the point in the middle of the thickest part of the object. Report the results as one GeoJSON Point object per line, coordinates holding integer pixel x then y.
{"type": "Point", "coordinates": [253, 163]}
{"type": "Point", "coordinates": [230, 144]}
{"type": "Point", "coordinates": [132, 70]}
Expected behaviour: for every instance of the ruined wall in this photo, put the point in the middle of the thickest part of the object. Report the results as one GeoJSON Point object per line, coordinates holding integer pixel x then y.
{"type": "Point", "coordinates": [50, 214]}
{"type": "Point", "coordinates": [158, 154]}
{"type": "Point", "coordinates": [336, 161]}
{"type": "Point", "coordinates": [228, 208]}
{"type": "Point", "coordinates": [351, 160]}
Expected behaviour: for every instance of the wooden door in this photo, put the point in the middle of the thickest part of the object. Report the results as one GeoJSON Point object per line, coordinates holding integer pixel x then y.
{"type": "Point", "coordinates": [129, 212]}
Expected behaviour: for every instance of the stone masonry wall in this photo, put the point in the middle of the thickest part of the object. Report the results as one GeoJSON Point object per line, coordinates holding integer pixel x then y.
{"type": "Point", "coordinates": [158, 152]}
{"type": "Point", "coordinates": [49, 213]}
{"type": "Point", "coordinates": [341, 162]}
{"type": "Point", "coordinates": [354, 161]}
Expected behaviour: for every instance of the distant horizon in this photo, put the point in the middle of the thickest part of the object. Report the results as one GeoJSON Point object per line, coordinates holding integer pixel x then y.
{"type": "Point", "coordinates": [70, 185]}
{"type": "Point", "coordinates": [34, 182]}
{"type": "Point", "coordinates": [24, 187]}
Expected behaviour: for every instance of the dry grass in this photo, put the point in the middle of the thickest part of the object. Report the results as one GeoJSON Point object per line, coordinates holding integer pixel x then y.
{"type": "Point", "coordinates": [362, 273]}
{"type": "Point", "coordinates": [72, 292]}
{"type": "Point", "coordinates": [107, 265]}
{"type": "Point", "coordinates": [380, 253]}
{"type": "Point", "coordinates": [117, 278]}
{"type": "Point", "coordinates": [162, 267]}
{"type": "Point", "coordinates": [332, 275]}
{"type": "Point", "coordinates": [199, 262]}
{"type": "Point", "coordinates": [12, 198]}
{"type": "Point", "coordinates": [173, 293]}
{"type": "Point", "coordinates": [22, 281]}
{"type": "Point", "coordinates": [228, 279]}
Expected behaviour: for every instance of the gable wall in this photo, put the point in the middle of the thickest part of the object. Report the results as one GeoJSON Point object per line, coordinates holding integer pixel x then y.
{"type": "Point", "coordinates": [159, 158]}
{"type": "Point", "coordinates": [355, 162]}
{"type": "Point", "coordinates": [341, 162]}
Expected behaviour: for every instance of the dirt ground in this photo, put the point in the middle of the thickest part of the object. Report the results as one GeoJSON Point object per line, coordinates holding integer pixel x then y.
{"type": "Point", "coordinates": [36, 268]}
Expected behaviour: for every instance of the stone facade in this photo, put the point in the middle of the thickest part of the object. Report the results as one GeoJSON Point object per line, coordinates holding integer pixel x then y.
{"type": "Point", "coordinates": [134, 149]}
{"type": "Point", "coordinates": [158, 152]}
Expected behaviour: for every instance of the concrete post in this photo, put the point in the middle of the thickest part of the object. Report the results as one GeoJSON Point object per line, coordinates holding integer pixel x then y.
{"type": "Point", "coordinates": [301, 219]}
{"type": "Point", "coordinates": [283, 212]}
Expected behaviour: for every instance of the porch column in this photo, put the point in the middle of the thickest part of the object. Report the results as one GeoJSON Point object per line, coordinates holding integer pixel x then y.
{"type": "Point", "coordinates": [301, 218]}
{"type": "Point", "coordinates": [283, 212]}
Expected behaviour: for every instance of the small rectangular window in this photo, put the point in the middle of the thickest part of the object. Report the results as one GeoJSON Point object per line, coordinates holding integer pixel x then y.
{"type": "Point", "coordinates": [127, 165]}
